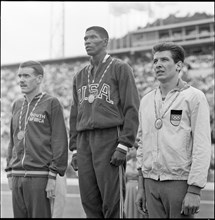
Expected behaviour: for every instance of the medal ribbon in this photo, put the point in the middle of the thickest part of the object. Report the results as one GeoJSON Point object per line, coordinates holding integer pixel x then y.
{"type": "Point", "coordinates": [156, 114]}
{"type": "Point", "coordinates": [20, 116]}
{"type": "Point", "coordinates": [101, 76]}
{"type": "Point", "coordinates": [26, 120]}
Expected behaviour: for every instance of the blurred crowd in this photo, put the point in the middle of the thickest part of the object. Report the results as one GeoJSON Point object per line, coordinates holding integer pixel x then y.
{"type": "Point", "coordinates": [198, 71]}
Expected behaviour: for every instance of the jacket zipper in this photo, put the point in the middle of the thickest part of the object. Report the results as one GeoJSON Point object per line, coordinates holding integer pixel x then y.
{"type": "Point", "coordinates": [26, 116]}
{"type": "Point", "coordinates": [158, 151]}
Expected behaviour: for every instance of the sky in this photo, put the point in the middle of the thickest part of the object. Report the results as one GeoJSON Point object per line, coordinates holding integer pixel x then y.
{"type": "Point", "coordinates": [42, 30]}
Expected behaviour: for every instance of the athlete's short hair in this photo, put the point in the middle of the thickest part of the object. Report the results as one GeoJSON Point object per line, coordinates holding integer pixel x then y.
{"type": "Point", "coordinates": [177, 51]}
{"type": "Point", "coordinates": [38, 68]}
{"type": "Point", "coordinates": [100, 30]}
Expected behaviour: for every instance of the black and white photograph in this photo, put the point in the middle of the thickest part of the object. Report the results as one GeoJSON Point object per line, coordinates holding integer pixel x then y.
{"type": "Point", "coordinates": [107, 109]}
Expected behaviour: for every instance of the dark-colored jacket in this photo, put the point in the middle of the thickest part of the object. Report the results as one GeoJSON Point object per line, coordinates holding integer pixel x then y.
{"type": "Point", "coordinates": [44, 149]}
{"type": "Point", "coordinates": [116, 102]}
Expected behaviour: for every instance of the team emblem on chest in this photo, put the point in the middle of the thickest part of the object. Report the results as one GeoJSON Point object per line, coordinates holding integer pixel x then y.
{"type": "Point", "coordinates": [95, 93]}
{"type": "Point", "coordinates": [175, 117]}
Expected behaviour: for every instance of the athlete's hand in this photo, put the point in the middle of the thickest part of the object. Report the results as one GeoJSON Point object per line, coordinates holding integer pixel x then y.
{"type": "Point", "coordinates": [74, 162]}
{"type": "Point", "coordinates": [190, 204]}
{"type": "Point", "coordinates": [119, 157]}
{"type": "Point", "coordinates": [141, 202]}
{"type": "Point", "coordinates": [10, 182]}
{"type": "Point", "coordinates": [50, 188]}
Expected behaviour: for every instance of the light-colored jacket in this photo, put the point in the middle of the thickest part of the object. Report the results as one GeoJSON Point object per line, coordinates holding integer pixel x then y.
{"type": "Point", "coordinates": [181, 148]}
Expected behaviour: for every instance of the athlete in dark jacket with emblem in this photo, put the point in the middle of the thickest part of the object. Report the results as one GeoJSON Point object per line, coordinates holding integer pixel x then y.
{"type": "Point", "coordinates": [38, 147]}
{"type": "Point", "coordinates": [103, 125]}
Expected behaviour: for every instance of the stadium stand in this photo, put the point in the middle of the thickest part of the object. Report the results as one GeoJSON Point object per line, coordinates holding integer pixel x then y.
{"type": "Point", "coordinates": [196, 35]}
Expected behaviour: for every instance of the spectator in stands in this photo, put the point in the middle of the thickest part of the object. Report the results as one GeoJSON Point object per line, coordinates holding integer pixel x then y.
{"type": "Point", "coordinates": [174, 149]}
{"type": "Point", "coordinates": [131, 175]}
{"type": "Point", "coordinates": [38, 147]}
{"type": "Point", "coordinates": [103, 125]}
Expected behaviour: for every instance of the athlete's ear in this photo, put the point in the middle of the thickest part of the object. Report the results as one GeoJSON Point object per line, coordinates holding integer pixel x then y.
{"type": "Point", "coordinates": [179, 66]}
{"type": "Point", "coordinates": [106, 42]}
{"type": "Point", "coordinates": [39, 78]}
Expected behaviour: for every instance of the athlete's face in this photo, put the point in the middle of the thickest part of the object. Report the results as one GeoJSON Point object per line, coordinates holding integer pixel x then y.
{"type": "Point", "coordinates": [94, 43]}
{"type": "Point", "coordinates": [164, 66]}
{"type": "Point", "coordinates": [28, 80]}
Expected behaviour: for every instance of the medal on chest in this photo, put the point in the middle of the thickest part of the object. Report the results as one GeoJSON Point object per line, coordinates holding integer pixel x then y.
{"type": "Point", "coordinates": [91, 98]}
{"type": "Point", "coordinates": [20, 135]}
{"type": "Point", "coordinates": [158, 123]}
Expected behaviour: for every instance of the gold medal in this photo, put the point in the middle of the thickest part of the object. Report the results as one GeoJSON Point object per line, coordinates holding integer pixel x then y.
{"type": "Point", "coordinates": [91, 98]}
{"type": "Point", "coordinates": [20, 135]}
{"type": "Point", "coordinates": [158, 123]}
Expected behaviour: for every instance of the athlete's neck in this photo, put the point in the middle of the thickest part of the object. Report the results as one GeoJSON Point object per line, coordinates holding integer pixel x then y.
{"type": "Point", "coordinates": [31, 95]}
{"type": "Point", "coordinates": [98, 58]}
{"type": "Point", "coordinates": [165, 87]}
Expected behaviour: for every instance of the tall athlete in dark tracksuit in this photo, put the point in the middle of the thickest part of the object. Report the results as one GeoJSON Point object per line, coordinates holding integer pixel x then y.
{"type": "Point", "coordinates": [103, 125]}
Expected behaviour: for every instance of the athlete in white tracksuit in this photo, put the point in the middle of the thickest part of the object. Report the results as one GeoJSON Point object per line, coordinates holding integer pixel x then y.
{"type": "Point", "coordinates": [174, 149]}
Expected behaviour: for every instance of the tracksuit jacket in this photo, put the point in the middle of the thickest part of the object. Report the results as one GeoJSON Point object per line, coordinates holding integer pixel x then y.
{"type": "Point", "coordinates": [181, 148]}
{"type": "Point", "coordinates": [116, 102]}
{"type": "Point", "coordinates": [44, 149]}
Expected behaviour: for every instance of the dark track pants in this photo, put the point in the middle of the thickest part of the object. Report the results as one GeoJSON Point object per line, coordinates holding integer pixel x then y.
{"type": "Point", "coordinates": [29, 197]}
{"type": "Point", "coordinates": [98, 179]}
{"type": "Point", "coordinates": [164, 198]}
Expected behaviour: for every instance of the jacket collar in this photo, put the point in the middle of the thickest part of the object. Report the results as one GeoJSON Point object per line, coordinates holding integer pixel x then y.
{"type": "Point", "coordinates": [181, 85]}
{"type": "Point", "coordinates": [103, 60]}
{"type": "Point", "coordinates": [35, 97]}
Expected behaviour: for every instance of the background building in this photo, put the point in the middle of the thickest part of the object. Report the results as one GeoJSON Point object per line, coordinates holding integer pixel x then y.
{"type": "Point", "coordinates": [195, 34]}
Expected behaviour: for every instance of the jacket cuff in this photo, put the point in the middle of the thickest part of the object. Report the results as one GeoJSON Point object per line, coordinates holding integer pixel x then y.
{"type": "Point", "coordinates": [125, 144]}
{"type": "Point", "coordinates": [121, 150]}
{"type": "Point", "coordinates": [123, 147]}
{"type": "Point", "coordinates": [194, 189]}
{"type": "Point", "coordinates": [52, 175]}
{"type": "Point", "coordinates": [8, 169]}
{"type": "Point", "coordinates": [9, 173]}
{"type": "Point", "coordinates": [74, 152]}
